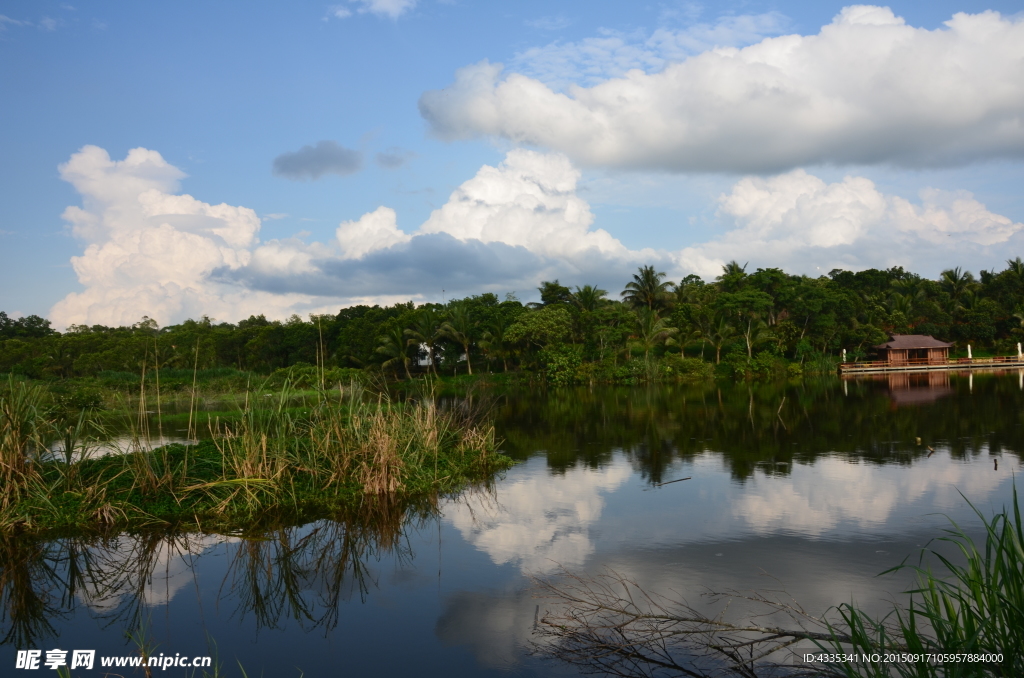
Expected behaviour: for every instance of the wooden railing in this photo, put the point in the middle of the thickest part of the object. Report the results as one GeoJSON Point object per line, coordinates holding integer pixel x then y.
{"type": "Point", "coordinates": [924, 362]}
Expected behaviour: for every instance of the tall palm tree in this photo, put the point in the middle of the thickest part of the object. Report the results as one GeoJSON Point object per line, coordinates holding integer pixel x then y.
{"type": "Point", "coordinates": [647, 289]}
{"type": "Point", "coordinates": [754, 333]}
{"type": "Point", "coordinates": [395, 345]}
{"type": "Point", "coordinates": [902, 303]}
{"type": "Point", "coordinates": [459, 327]}
{"type": "Point", "coordinates": [426, 330]}
{"type": "Point", "coordinates": [1016, 266]}
{"type": "Point", "coordinates": [720, 332]}
{"type": "Point", "coordinates": [588, 297]}
{"type": "Point", "coordinates": [732, 275]}
{"type": "Point", "coordinates": [652, 329]}
{"type": "Point", "coordinates": [493, 342]}
{"type": "Point", "coordinates": [956, 282]}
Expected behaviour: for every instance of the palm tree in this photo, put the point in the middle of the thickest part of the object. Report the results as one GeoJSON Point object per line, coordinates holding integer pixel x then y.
{"type": "Point", "coordinates": [588, 297]}
{"type": "Point", "coordinates": [956, 282]}
{"type": "Point", "coordinates": [1016, 266]}
{"type": "Point", "coordinates": [647, 289]}
{"type": "Point", "coordinates": [426, 329]}
{"type": "Point", "coordinates": [652, 329]}
{"type": "Point", "coordinates": [754, 333]}
{"type": "Point", "coordinates": [493, 342]}
{"type": "Point", "coordinates": [732, 275]}
{"type": "Point", "coordinates": [902, 303]}
{"type": "Point", "coordinates": [720, 333]}
{"type": "Point", "coordinates": [395, 345]}
{"type": "Point", "coordinates": [970, 300]}
{"type": "Point", "coordinates": [459, 327]}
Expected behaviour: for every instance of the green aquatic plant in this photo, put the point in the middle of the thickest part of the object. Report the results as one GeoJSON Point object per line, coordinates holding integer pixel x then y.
{"type": "Point", "coordinates": [974, 608]}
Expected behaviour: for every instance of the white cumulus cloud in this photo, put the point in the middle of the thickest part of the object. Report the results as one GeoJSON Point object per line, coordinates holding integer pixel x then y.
{"type": "Point", "coordinates": [528, 200]}
{"type": "Point", "coordinates": [151, 250]}
{"type": "Point", "coordinates": [798, 222]}
{"type": "Point", "coordinates": [373, 231]}
{"type": "Point", "coordinates": [868, 88]}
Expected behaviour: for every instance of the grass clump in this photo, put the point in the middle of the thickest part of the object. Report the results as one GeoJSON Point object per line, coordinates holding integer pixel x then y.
{"type": "Point", "coordinates": [974, 609]}
{"type": "Point", "coordinates": [271, 460]}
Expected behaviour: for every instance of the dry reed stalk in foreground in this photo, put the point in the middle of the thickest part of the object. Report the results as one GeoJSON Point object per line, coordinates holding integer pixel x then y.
{"type": "Point", "coordinates": [607, 623]}
{"type": "Point", "coordinates": [21, 421]}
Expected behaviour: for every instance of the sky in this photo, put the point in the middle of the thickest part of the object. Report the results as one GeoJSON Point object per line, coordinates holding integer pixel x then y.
{"type": "Point", "coordinates": [226, 159]}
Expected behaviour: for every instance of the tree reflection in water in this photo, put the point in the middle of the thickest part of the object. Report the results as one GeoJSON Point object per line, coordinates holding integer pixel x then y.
{"type": "Point", "coordinates": [762, 426]}
{"type": "Point", "coordinates": [277, 573]}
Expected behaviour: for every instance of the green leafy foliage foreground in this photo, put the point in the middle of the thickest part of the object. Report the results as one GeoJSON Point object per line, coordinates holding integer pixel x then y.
{"type": "Point", "coordinates": [740, 324]}
{"type": "Point", "coordinates": [270, 461]}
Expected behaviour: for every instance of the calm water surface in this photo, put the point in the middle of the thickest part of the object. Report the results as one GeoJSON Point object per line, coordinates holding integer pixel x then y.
{"type": "Point", "coordinates": [813, 488]}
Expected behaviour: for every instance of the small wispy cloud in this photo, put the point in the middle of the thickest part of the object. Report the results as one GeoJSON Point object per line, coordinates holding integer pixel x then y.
{"type": "Point", "coordinates": [6, 21]}
{"type": "Point", "coordinates": [48, 24]}
{"type": "Point", "coordinates": [550, 23]}
{"type": "Point", "coordinates": [387, 8]}
{"type": "Point", "coordinates": [337, 12]}
{"type": "Point", "coordinates": [274, 215]}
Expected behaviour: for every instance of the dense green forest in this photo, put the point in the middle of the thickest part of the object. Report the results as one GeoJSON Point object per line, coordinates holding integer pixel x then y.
{"type": "Point", "coordinates": [740, 324]}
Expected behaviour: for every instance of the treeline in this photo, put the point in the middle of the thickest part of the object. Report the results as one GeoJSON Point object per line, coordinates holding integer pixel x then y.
{"type": "Point", "coordinates": [740, 324]}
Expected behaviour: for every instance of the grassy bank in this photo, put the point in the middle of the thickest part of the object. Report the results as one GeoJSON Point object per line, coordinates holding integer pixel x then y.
{"type": "Point", "coordinates": [272, 459]}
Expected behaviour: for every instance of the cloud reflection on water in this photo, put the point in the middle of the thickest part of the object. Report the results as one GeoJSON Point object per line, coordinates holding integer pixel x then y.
{"type": "Point", "coordinates": [535, 519]}
{"type": "Point", "coordinates": [821, 532]}
{"type": "Point", "coordinates": [814, 500]}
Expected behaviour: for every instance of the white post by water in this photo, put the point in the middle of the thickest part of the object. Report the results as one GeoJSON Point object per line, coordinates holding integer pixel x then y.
{"type": "Point", "coordinates": [1020, 356]}
{"type": "Point", "coordinates": [844, 352]}
{"type": "Point", "coordinates": [969, 352]}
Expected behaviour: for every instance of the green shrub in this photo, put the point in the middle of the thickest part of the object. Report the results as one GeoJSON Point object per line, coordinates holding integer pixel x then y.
{"type": "Point", "coordinates": [561, 364]}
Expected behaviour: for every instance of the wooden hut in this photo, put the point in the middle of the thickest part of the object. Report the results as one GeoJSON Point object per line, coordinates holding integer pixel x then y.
{"type": "Point", "coordinates": [913, 349]}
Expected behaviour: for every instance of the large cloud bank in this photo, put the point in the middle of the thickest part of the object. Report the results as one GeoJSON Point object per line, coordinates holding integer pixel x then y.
{"type": "Point", "coordinates": [867, 88]}
{"type": "Point", "coordinates": [150, 250]}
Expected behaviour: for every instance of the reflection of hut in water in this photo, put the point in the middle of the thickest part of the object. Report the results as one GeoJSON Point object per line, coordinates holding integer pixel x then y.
{"type": "Point", "coordinates": [913, 349]}
{"type": "Point", "coordinates": [918, 388]}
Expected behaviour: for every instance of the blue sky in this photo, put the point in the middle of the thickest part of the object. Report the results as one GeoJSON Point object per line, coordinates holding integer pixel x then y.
{"type": "Point", "coordinates": [561, 164]}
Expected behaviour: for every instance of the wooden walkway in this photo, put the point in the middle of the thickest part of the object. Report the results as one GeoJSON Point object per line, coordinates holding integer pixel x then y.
{"type": "Point", "coordinates": [882, 366]}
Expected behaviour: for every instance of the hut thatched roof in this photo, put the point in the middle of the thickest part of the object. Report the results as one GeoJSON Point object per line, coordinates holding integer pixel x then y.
{"type": "Point", "coordinates": [912, 341]}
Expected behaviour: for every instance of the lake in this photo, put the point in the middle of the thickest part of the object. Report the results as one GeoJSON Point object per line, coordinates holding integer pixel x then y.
{"type": "Point", "coordinates": [809, 487]}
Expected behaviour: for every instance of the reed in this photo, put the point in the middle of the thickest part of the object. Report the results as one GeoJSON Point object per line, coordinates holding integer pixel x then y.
{"type": "Point", "coordinates": [22, 424]}
{"type": "Point", "coordinates": [974, 608]}
{"type": "Point", "coordinates": [273, 459]}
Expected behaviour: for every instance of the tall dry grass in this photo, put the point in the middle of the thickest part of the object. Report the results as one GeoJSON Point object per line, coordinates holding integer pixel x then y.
{"type": "Point", "coordinates": [273, 456]}
{"type": "Point", "coordinates": [381, 446]}
{"type": "Point", "coordinates": [22, 425]}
